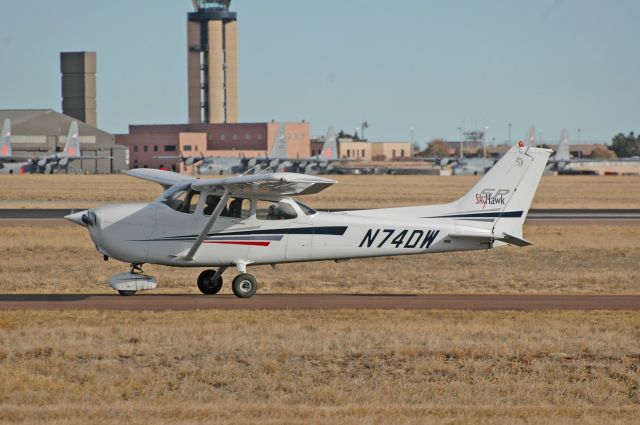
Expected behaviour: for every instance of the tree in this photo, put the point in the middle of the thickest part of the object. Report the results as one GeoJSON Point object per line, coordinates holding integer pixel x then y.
{"type": "Point", "coordinates": [626, 146]}
{"type": "Point", "coordinates": [602, 152]}
{"type": "Point", "coordinates": [437, 148]}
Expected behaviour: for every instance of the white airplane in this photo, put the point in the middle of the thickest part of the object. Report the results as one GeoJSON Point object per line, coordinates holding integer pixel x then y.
{"type": "Point", "coordinates": [250, 220]}
{"type": "Point", "coordinates": [9, 163]}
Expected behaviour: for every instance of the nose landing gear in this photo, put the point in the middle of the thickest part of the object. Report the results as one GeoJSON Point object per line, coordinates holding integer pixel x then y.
{"type": "Point", "coordinates": [128, 284]}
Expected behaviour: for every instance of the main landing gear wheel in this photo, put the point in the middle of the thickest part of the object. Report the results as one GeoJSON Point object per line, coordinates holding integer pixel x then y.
{"type": "Point", "coordinates": [244, 285]}
{"type": "Point", "coordinates": [206, 283]}
{"type": "Point", "coordinates": [126, 293]}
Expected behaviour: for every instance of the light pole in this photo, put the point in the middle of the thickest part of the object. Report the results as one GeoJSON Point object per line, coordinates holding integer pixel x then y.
{"type": "Point", "coordinates": [540, 137]}
{"type": "Point", "coordinates": [579, 144]}
{"type": "Point", "coordinates": [484, 141]}
{"type": "Point", "coordinates": [509, 134]}
{"type": "Point", "coordinates": [461, 141]}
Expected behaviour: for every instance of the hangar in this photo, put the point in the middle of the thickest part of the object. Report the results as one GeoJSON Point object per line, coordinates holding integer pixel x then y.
{"type": "Point", "coordinates": [37, 132]}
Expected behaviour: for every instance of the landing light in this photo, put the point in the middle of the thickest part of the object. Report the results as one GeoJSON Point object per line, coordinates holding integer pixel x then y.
{"type": "Point", "coordinates": [521, 144]}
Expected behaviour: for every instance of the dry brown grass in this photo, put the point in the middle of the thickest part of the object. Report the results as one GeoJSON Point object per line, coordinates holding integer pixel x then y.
{"type": "Point", "coordinates": [564, 259]}
{"type": "Point", "coordinates": [319, 367]}
{"type": "Point", "coordinates": [70, 191]}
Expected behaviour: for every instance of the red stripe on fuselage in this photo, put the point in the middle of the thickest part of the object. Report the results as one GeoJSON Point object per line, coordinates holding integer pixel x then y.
{"type": "Point", "coordinates": [252, 243]}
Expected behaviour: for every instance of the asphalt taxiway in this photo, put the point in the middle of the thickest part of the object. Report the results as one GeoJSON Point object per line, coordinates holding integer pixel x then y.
{"type": "Point", "coordinates": [162, 302]}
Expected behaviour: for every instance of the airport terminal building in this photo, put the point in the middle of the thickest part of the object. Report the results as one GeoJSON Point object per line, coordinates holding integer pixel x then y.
{"type": "Point", "coordinates": [147, 143]}
{"type": "Point", "coordinates": [38, 132]}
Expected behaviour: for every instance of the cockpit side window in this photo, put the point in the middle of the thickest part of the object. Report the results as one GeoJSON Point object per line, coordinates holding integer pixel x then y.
{"type": "Point", "coordinates": [270, 210]}
{"type": "Point", "coordinates": [210, 204]}
{"type": "Point", "coordinates": [237, 208]}
{"type": "Point", "coordinates": [191, 202]}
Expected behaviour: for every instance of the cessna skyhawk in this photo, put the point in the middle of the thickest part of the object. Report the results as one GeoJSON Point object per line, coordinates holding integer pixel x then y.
{"type": "Point", "coordinates": [249, 220]}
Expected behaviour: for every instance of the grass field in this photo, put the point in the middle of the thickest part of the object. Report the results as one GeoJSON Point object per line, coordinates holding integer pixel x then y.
{"type": "Point", "coordinates": [564, 259]}
{"type": "Point", "coordinates": [319, 367]}
{"type": "Point", "coordinates": [327, 367]}
{"type": "Point", "coordinates": [79, 191]}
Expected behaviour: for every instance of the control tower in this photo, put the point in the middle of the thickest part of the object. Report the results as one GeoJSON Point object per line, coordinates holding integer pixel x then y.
{"type": "Point", "coordinates": [212, 39]}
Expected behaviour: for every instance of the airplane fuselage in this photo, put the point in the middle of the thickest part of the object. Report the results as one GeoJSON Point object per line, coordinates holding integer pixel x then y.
{"type": "Point", "coordinates": [155, 233]}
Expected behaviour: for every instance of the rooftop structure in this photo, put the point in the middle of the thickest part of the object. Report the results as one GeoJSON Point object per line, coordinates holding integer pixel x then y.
{"type": "Point", "coordinates": [79, 85]}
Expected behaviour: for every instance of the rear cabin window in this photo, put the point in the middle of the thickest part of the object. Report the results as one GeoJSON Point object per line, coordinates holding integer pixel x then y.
{"type": "Point", "coordinates": [268, 210]}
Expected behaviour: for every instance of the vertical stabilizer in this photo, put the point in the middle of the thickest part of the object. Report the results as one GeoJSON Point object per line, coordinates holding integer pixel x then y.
{"type": "Point", "coordinates": [330, 146]}
{"type": "Point", "coordinates": [502, 197]}
{"type": "Point", "coordinates": [279, 148]}
{"type": "Point", "coordinates": [72, 146]}
{"type": "Point", "coordinates": [5, 139]}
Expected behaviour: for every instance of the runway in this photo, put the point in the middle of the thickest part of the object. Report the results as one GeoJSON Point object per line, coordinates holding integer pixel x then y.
{"type": "Point", "coordinates": [149, 302]}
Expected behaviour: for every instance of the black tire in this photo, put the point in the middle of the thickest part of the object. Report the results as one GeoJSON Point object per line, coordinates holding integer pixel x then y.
{"type": "Point", "coordinates": [206, 285]}
{"type": "Point", "coordinates": [244, 285]}
{"type": "Point", "coordinates": [126, 293]}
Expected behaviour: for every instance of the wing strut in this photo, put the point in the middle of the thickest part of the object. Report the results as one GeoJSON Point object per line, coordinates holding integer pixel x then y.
{"type": "Point", "coordinates": [208, 226]}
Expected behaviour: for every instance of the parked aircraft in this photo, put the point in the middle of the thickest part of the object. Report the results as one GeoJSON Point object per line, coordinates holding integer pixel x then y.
{"type": "Point", "coordinates": [249, 220]}
{"type": "Point", "coordinates": [472, 166]}
{"type": "Point", "coordinates": [277, 159]}
{"type": "Point", "coordinates": [238, 165]}
{"type": "Point", "coordinates": [478, 166]}
{"type": "Point", "coordinates": [317, 163]}
{"type": "Point", "coordinates": [70, 153]}
{"type": "Point", "coordinates": [9, 163]}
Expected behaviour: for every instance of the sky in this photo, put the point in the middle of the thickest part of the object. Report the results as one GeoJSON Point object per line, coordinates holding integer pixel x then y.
{"type": "Point", "coordinates": [430, 66]}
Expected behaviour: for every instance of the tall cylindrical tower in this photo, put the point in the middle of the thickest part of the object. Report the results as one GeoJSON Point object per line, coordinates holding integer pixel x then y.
{"type": "Point", "coordinates": [212, 62]}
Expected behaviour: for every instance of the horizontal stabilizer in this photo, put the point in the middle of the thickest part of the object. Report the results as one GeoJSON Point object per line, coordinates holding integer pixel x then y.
{"type": "Point", "coordinates": [503, 237]}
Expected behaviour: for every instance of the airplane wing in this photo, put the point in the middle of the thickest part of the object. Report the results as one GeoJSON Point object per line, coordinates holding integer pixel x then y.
{"type": "Point", "coordinates": [164, 178]}
{"type": "Point", "coordinates": [275, 184]}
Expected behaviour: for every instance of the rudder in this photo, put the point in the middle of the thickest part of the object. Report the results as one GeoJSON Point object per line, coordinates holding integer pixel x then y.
{"type": "Point", "coordinates": [72, 145]}
{"type": "Point", "coordinates": [5, 139]}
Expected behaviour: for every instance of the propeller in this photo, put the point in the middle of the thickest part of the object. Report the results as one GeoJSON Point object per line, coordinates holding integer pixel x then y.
{"type": "Point", "coordinates": [191, 160]}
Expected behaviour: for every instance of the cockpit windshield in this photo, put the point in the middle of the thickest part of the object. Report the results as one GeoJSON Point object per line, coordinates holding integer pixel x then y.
{"type": "Point", "coordinates": [183, 200]}
{"type": "Point", "coordinates": [306, 209]}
